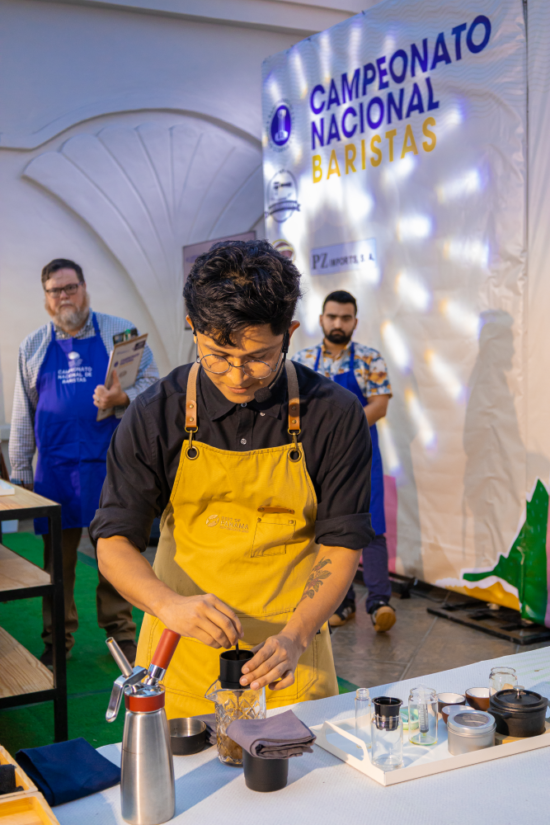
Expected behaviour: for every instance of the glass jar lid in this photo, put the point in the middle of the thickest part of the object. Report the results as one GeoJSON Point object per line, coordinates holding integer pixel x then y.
{"type": "Point", "coordinates": [518, 700]}
{"type": "Point", "coordinates": [471, 723]}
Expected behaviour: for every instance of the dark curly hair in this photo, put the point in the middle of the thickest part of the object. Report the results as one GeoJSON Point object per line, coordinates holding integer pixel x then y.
{"type": "Point", "coordinates": [238, 284]}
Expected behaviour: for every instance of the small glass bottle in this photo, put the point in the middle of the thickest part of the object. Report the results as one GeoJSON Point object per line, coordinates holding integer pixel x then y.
{"type": "Point", "coordinates": [387, 733]}
{"type": "Point", "coordinates": [502, 678]}
{"type": "Point", "coordinates": [423, 707]}
{"type": "Point", "coordinates": [363, 711]}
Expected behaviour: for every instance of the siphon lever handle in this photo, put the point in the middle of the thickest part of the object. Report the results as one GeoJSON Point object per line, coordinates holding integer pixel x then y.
{"type": "Point", "coordinates": [165, 649]}
{"type": "Point", "coordinates": [119, 657]}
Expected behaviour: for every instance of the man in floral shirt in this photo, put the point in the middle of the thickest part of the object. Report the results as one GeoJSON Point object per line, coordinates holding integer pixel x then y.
{"type": "Point", "coordinates": [361, 370]}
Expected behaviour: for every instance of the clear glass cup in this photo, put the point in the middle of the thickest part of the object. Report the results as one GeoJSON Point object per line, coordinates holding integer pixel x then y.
{"type": "Point", "coordinates": [387, 734]}
{"type": "Point", "coordinates": [231, 705]}
{"type": "Point", "coordinates": [363, 713]}
{"type": "Point", "coordinates": [423, 710]}
{"type": "Point", "coordinates": [502, 678]}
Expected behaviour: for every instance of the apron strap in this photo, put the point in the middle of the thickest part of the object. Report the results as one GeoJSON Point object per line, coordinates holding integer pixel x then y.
{"type": "Point", "coordinates": [293, 409]}
{"type": "Point", "coordinates": [191, 420]}
{"type": "Point", "coordinates": [293, 399]}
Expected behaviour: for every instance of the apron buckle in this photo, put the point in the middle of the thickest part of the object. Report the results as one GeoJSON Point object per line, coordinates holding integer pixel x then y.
{"type": "Point", "coordinates": [191, 452]}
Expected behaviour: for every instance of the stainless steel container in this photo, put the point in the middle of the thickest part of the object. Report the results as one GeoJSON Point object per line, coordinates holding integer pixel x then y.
{"type": "Point", "coordinates": [470, 730]}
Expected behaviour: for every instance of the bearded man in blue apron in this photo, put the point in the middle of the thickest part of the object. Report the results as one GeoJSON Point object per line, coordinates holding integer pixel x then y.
{"type": "Point", "coordinates": [59, 388]}
{"type": "Point", "coordinates": [361, 370]}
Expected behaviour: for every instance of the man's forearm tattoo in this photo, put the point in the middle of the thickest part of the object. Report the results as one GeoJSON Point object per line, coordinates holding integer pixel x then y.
{"type": "Point", "coordinates": [316, 579]}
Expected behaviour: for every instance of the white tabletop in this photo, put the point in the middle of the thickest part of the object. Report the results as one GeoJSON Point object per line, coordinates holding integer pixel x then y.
{"type": "Point", "coordinates": [322, 790]}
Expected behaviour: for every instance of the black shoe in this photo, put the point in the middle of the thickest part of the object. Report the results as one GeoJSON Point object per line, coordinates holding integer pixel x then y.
{"type": "Point", "coordinates": [343, 614]}
{"type": "Point", "coordinates": [129, 648]}
{"type": "Point", "coordinates": [383, 616]}
{"type": "Point", "coordinates": [47, 656]}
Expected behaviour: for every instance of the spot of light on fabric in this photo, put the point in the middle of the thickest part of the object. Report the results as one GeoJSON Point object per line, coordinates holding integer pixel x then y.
{"type": "Point", "coordinates": [399, 170]}
{"type": "Point", "coordinates": [449, 121]}
{"type": "Point", "coordinates": [414, 227]}
{"type": "Point", "coordinates": [445, 375]}
{"type": "Point", "coordinates": [324, 52]}
{"type": "Point", "coordinates": [298, 67]}
{"type": "Point", "coordinates": [425, 429]}
{"type": "Point", "coordinates": [354, 45]}
{"type": "Point", "coordinates": [312, 307]}
{"type": "Point", "coordinates": [391, 459]}
{"type": "Point", "coordinates": [467, 251]}
{"type": "Point", "coordinates": [274, 90]}
{"type": "Point", "coordinates": [461, 318]}
{"type": "Point", "coordinates": [413, 291]}
{"type": "Point", "coordinates": [297, 153]}
{"type": "Point", "coordinates": [467, 184]}
{"type": "Point", "coordinates": [396, 345]}
{"type": "Point", "coordinates": [359, 204]}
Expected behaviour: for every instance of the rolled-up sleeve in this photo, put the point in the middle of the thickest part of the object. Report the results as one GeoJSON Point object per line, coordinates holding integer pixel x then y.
{"type": "Point", "coordinates": [343, 485]}
{"type": "Point", "coordinates": [22, 442]}
{"type": "Point", "coordinates": [134, 491]}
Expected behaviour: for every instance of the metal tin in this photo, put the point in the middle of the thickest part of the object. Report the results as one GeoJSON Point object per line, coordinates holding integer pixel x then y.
{"type": "Point", "coordinates": [470, 730]}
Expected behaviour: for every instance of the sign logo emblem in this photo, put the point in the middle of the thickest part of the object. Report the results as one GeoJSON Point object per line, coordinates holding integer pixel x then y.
{"type": "Point", "coordinates": [285, 248]}
{"type": "Point", "coordinates": [212, 521]}
{"type": "Point", "coordinates": [282, 196]}
{"type": "Point", "coordinates": [281, 125]}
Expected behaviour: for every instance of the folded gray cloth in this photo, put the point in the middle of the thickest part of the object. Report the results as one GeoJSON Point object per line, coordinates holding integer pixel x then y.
{"type": "Point", "coordinates": [278, 737]}
{"type": "Point", "coordinates": [211, 727]}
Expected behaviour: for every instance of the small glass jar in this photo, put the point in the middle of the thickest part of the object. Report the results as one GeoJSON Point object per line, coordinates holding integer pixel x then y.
{"type": "Point", "coordinates": [363, 713]}
{"type": "Point", "coordinates": [423, 709]}
{"type": "Point", "coordinates": [502, 678]}
{"type": "Point", "coordinates": [387, 734]}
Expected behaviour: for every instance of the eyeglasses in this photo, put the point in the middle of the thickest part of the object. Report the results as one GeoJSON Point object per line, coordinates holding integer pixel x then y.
{"type": "Point", "coordinates": [70, 289]}
{"type": "Point", "coordinates": [218, 365]}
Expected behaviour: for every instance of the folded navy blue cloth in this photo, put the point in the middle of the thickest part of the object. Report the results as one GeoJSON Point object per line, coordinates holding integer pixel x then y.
{"type": "Point", "coordinates": [68, 770]}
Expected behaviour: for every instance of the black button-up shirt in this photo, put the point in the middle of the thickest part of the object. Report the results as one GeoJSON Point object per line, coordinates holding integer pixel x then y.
{"type": "Point", "coordinates": [145, 452]}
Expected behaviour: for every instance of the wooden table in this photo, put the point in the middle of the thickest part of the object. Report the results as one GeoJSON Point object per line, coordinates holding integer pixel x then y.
{"type": "Point", "coordinates": [23, 679]}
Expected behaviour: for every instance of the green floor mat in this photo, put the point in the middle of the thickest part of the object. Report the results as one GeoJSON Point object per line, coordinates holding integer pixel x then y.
{"type": "Point", "coordinates": [346, 687]}
{"type": "Point", "coordinates": [90, 672]}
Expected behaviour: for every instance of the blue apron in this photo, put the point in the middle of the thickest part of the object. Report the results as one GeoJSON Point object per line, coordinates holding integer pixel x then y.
{"type": "Point", "coordinates": [72, 445]}
{"type": "Point", "coordinates": [349, 381]}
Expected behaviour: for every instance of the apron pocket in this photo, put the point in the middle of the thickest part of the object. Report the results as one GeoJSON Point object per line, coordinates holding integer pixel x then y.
{"type": "Point", "coordinates": [272, 534]}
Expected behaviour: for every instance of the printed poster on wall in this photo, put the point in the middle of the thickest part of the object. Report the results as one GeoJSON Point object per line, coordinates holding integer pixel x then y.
{"type": "Point", "coordinates": [395, 168]}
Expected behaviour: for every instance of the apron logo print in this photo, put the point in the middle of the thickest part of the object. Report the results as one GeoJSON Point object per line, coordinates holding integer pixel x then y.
{"type": "Point", "coordinates": [74, 359]}
{"type": "Point", "coordinates": [227, 523]}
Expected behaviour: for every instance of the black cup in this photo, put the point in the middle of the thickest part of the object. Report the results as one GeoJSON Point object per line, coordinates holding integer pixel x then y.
{"type": "Point", "coordinates": [231, 666]}
{"type": "Point", "coordinates": [264, 775]}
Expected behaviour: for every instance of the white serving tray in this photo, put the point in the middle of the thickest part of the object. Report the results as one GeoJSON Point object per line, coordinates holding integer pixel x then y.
{"type": "Point", "coordinates": [340, 740]}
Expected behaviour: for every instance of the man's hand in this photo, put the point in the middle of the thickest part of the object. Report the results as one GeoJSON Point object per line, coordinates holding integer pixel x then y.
{"type": "Point", "coordinates": [114, 397]}
{"type": "Point", "coordinates": [274, 663]}
{"type": "Point", "coordinates": [205, 618]}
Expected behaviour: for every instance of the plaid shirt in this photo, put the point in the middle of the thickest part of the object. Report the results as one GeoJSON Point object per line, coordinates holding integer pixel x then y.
{"type": "Point", "coordinates": [369, 367]}
{"type": "Point", "coordinates": [31, 356]}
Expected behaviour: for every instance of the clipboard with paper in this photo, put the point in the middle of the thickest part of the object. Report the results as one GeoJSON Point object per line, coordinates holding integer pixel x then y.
{"type": "Point", "coordinates": [126, 360]}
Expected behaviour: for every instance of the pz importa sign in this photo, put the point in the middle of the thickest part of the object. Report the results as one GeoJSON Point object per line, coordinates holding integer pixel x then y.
{"type": "Point", "coordinates": [394, 168]}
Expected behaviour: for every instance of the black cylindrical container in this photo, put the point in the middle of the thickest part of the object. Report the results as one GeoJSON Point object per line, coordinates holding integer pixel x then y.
{"type": "Point", "coordinates": [386, 712]}
{"type": "Point", "coordinates": [264, 775]}
{"type": "Point", "coordinates": [519, 712]}
{"type": "Point", "coordinates": [231, 665]}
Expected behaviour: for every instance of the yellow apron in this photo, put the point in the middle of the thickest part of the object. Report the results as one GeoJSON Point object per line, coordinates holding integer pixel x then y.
{"type": "Point", "coordinates": [218, 536]}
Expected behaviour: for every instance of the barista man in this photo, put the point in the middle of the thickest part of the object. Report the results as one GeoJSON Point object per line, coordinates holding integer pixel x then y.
{"type": "Point", "coordinates": [264, 502]}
